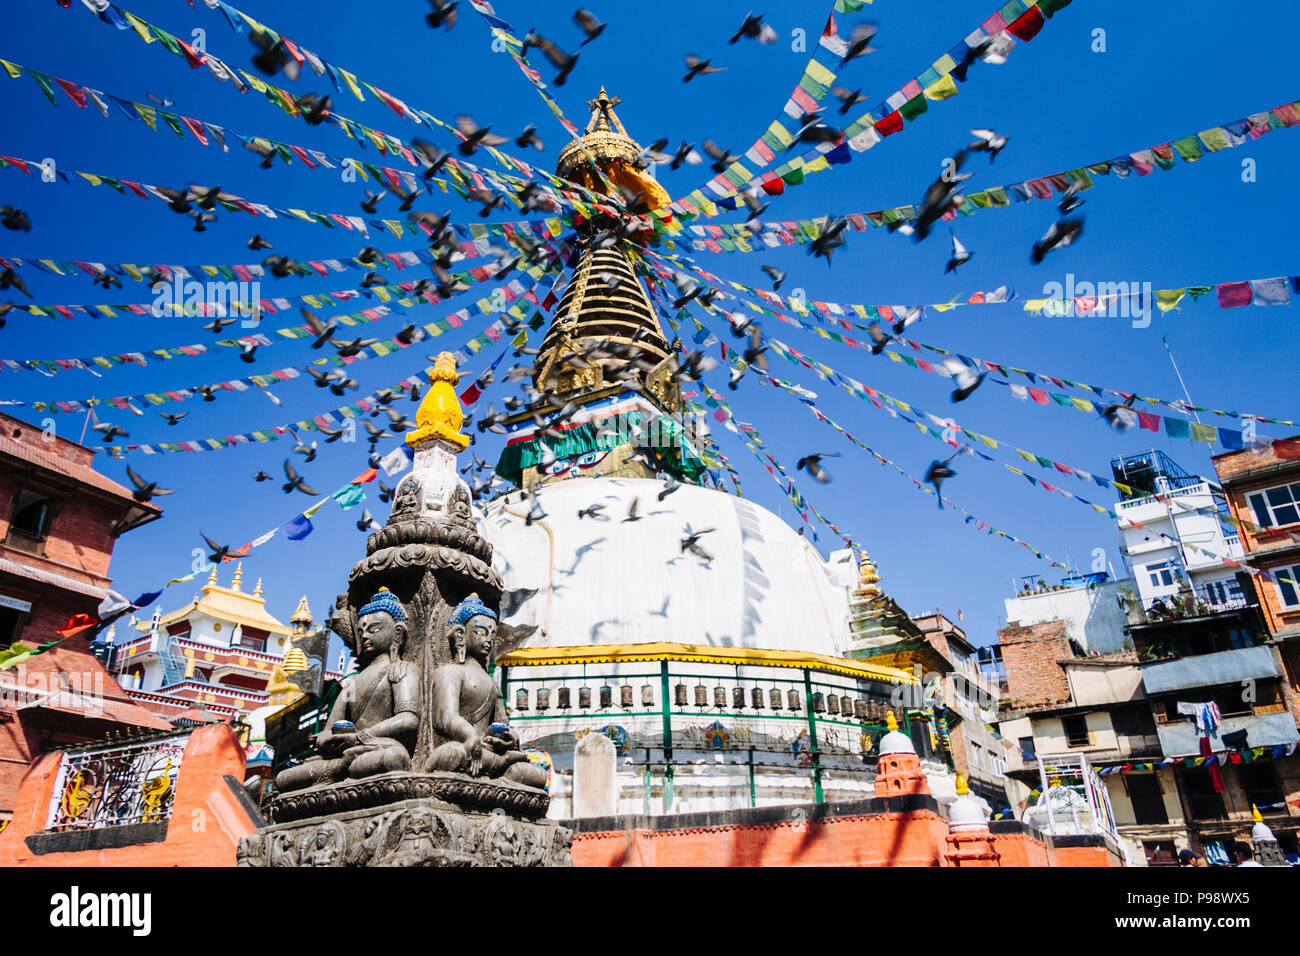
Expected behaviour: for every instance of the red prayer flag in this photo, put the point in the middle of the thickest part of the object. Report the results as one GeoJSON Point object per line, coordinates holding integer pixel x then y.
{"type": "Point", "coordinates": [74, 91]}
{"type": "Point", "coordinates": [368, 475]}
{"type": "Point", "coordinates": [890, 124]}
{"type": "Point", "coordinates": [78, 623]}
{"type": "Point", "coordinates": [1286, 449]}
{"type": "Point", "coordinates": [1149, 421]}
{"type": "Point", "coordinates": [1026, 26]}
{"type": "Point", "coordinates": [1234, 294]}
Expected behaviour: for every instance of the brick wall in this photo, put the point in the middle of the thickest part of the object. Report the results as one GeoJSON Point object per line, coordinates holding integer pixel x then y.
{"type": "Point", "coordinates": [1244, 472]}
{"type": "Point", "coordinates": [1030, 654]}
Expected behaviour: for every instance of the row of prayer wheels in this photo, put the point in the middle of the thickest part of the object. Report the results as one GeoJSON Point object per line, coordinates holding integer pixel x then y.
{"type": "Point", "coordinates": [844, 705]}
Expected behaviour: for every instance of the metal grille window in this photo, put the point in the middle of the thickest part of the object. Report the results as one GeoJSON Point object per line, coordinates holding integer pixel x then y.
{"type": "Point", "coordinates": [111, 787]}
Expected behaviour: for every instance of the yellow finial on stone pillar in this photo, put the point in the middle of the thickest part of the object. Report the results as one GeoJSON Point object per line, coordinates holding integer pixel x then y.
{"type": "Point", "coordinates": [891, 722]}
{"type": "Point", "coordinates": [440, 414]}
{"type": "Point", "coordinates": [962, 789]}
{"type": "Point", "coordinates": [1255, 814]}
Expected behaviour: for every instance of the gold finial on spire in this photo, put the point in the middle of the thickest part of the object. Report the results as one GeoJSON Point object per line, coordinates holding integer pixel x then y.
{"type": "Point", "coordinates": [440, 414]}
{"type": "Point", "coordinates": [302, 613]}
{"type": "Point", "coordinates": [212, 578]}
{"type": "Point", "coordinates": [891, 722]}
{"type": "Point", "coordinates": [962, 789]}
{"type": "Point", "coordinates": [1255, 814]}
{"type": "Point", "coordinates": [239, 576]}
{"type": "Point", "coordinates": [257, 588]}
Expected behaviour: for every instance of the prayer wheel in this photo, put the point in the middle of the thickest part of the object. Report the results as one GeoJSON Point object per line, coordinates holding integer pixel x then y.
{"type": "Point", "coordinates": [756, 698]}
{"type": "Point", "coordinates": [738, 698]}
{"type": "Point", "coordinates": [832, 704]}
{"type": "Point", "coordinates": [584, 698]}
{"type": "Point", "coordinates": [860, 709]}
{"type": "Point", "coordinates": [564, 698]}
{"type": "Point", "coordinates": [719, 696]}
{"type": "Point", "coordinates": [819, 703]}
{"type": "Point", "coordinates": [543, 698]}
{"type": "Point", "coordinates": [701, 696]}
{"type": "Point", "coordinates": [521, 699]}
{"type": "Point", "coordinates": [774, 698]}
{"type": "Point", "coordinates": [793, 699]}
{"type": "Point", "coordinates": [606, 697]}
{"type": "Point", "coordinates": [625, 696]}
{"type": "Point", "coordinates": [679, 695]}
{"type": "Point", "coordinates": [647, 695]}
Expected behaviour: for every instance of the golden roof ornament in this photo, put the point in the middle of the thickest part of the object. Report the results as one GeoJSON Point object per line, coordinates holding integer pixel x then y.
{"type": "Point", "coordinates": [239, 576]}
{"type": "Point", "coordinates": [257, 588]}
{"type": "Point", "coordinates": [302, 613]}
{"type": "Point", "coordinates": [440, 415]}
{"type": "Point", "coordinates": [295, 661]}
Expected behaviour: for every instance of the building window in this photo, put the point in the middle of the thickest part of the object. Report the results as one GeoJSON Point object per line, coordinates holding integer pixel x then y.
{"type": "Point", "coordinates": [11, 625]}
{"type": "Point", "coordinates": [1147, 798]}
{"type": "Point", "coordinates": [1076, 730]}
{"type": "Point", "coordinates": [1133, 721]}
{"type": "Point", "coordinates": [1160, 854]}
{"type": "Point", "coordinates": [1288, 583]}
{"type": "Point", "coordinates": [33, 514]}
{"type": "Point", "coordinates": [1260, 785]}
{"type": "Point", "coordinates": [1163, 575]}
{"type": "Point", "coordinates": [1202, 802]}
{"type": "Point", "coordinates": [1278, 506]}
{"type": "Point", "coordinates": [1027, 747]}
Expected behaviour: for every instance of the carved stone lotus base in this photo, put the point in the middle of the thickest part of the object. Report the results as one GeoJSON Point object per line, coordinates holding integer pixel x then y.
{"type": "Point", "coordinates": [471, 793]}
{"type": "Point", "coordinates": [407, 819]}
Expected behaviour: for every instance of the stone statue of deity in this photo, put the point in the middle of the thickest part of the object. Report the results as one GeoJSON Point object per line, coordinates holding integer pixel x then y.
{"type": "Point", "coordinates": [467, 711]}
{"type": "Point", "coordinates": [375, 720]}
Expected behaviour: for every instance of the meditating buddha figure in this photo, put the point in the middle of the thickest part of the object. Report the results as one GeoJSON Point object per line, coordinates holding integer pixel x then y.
{"type": "Point", "coordinates": [375, 720]}
{"type": "Point", "coordinates": [467, 710]}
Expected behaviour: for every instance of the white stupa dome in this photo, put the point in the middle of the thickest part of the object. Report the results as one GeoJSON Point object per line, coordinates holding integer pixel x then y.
{"type": "Point", "coordinates": [587, 582]}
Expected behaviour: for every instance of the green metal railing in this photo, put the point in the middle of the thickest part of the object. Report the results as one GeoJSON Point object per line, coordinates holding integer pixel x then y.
{"type": "Point", "coordinates": [806, 713]}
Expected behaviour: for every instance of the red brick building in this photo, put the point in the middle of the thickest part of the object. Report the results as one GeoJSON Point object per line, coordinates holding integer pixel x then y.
{"type": "Point", "coordinates": [59, 520]}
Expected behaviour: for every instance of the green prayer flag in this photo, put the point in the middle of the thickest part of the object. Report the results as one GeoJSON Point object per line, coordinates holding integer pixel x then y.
{"type": "Point", "coordinates": [44, 81]}
{"type": "Point", "coordinates": [913, 107]}
{"type": "Point", "coordinates": [1189, 148]}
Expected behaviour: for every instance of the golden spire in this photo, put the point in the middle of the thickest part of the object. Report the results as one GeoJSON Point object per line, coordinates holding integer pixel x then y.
{"type": "Point", "coordinates": [296, 660]}
{"type": "Point", "coordinates": [257, 589]}
{"type": "Point", "coordinates": [440, 415]}
{"type": "Point", "coordinates": [1255, 814]}
{"type": "Point", "coordinates": [212, 578]}
{"type": "Point", "coordinates": [891, 722]}
{"type": "Point", "coordinates": [302, 613]}
{"type": "Point", "coordinates": [239, 576]}
{"type": "Point", "coordinates": [962, 789]}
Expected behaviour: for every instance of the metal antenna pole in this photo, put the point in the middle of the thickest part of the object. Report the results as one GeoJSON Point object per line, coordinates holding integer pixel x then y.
{"type": "Point", "coordinates": [1180, 376]}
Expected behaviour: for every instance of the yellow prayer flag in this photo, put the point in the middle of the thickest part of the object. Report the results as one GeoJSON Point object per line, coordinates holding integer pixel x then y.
{"type": "Point", "coordinates": [13, 69]}
{"type": "Point", "coordinates": [941, 88]}
{"type": "Point", "coordinates": [138, 25]}
{"type": "Point", "coordinates": [351, 80]}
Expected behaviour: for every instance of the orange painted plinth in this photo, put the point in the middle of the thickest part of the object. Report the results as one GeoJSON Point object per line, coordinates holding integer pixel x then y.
{"type": "Point", "coordinates": [899, 775]}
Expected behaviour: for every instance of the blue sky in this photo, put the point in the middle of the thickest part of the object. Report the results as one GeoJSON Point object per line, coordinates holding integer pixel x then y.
{"type": "Point", "coordinates": [1163, 75]}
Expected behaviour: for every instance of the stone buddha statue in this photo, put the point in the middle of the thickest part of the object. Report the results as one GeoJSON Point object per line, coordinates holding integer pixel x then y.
{"type": "Point", "coordinates": [375, 720]}
{"type": "Point", "coordinates": [467, 711]}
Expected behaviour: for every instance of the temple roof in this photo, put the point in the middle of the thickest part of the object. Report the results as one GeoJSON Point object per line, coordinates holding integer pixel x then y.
{"type": "Point", "coordinates": [231, 604]}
